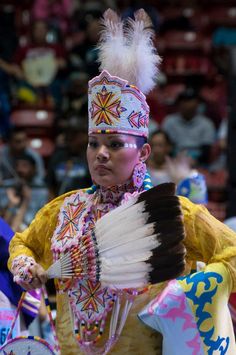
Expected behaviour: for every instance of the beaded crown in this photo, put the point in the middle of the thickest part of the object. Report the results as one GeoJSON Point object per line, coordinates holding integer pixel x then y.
{"type": "Point", "coordinates": [116, 107]}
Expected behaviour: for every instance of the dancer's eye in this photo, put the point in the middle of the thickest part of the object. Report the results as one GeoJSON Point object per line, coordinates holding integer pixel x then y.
{"type": "Point", "coordinates": [116, 144]}
{"type": "Point", "coordinates": [93, 144]}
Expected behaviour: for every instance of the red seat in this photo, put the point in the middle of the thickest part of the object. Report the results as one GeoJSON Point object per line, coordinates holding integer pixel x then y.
{"type": "Point", "coordinates": [184, 40]}
{"type": "Point", "coordinates": [43, 145]}
{"type": "Point", "coordinates": [36, 118]}
{"type": "Point", "coordinates": [216, 96]}
{"type": "Point", "coordinates": [186, 63]}
{"type": "Point", "coordinates": [223, 15]}
{"type": "Point", "coordinates": [74, 39]}
{"type": "Point", "coordinates": [36, 122]}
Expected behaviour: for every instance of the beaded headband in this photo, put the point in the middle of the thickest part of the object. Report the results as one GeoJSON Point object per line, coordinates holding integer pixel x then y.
{"type": "Point", "coordinates": [116, 107]}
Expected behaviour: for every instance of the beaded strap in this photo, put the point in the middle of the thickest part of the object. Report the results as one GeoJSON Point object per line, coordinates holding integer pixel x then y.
{"type": "Point", "coordinates": [9, 335]}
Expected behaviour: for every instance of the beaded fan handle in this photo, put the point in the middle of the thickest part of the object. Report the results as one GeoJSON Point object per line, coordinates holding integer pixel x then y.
{"type": "Point", "coordinates": [56, 346]}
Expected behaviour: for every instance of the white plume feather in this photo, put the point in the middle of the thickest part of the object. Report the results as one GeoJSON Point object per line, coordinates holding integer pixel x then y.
{"type": "Point", "coordinates": [112, 43]}
{"type": "Point", "coordinates": [130, 55]}
{"type": "Point", "coordinates": [132, 246]}
{"type": "Point", "coordinates": [144, 59]}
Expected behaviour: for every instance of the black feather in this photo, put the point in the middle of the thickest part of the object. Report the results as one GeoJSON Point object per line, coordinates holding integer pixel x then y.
{"type": "Point", "coordinates": [164, 209]}
{"type": "Point", "coordinates": [161, 208]}
{"type": "Point", "coordinates": [167, 189]}
{"type": "Point", "coordinates": [166, 274]}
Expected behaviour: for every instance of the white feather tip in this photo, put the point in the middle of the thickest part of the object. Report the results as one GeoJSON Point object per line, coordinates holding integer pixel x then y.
{"type": "Point", "coordinates": [129, 54]}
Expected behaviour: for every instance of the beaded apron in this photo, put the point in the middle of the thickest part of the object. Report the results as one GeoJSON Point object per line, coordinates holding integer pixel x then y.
{"type": "Point", "coordinates": [90, 303]}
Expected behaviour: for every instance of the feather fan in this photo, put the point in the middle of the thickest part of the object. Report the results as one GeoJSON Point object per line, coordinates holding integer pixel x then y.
{"type": "Point", "coordinates": [139, 242]}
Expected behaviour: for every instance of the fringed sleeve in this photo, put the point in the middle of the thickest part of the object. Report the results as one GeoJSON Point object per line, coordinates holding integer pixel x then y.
{"type": "Point", "coordinates": [35, 242]}
{"type": "Point", "coordinates": [208, 239]}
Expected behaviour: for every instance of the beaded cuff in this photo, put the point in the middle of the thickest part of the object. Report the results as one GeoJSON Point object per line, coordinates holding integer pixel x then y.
{"type": "Point", "coordinates": [20, 268]}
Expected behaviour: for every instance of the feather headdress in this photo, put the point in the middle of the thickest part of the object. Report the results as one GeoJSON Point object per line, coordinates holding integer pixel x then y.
{"type": "Point", "coordinates": [139, 242]}
{"type": "Point", "coordinates": [129, 67]}
{"type": "Point", "coordinates": [127, 50]}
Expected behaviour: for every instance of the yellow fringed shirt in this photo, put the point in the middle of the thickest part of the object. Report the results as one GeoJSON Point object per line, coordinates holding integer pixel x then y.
{"type": "Point", "coordinates": [207, 240]}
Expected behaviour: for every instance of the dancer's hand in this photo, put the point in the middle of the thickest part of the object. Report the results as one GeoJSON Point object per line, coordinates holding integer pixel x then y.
{"type": "Point", "coordinates": [39, 278]}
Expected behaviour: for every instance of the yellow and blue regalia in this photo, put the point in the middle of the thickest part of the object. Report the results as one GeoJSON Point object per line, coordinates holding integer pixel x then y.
{"type": "Point", "coordinates": [193, 312]}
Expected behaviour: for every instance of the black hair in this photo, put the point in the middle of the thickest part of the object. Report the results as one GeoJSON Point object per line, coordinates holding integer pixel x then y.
{"type": "Point", "coordinates": [27, 157]}
{"type": "Point", "coordinates": [164, 133]}
{"type": "Point", "coordinates": [188, 94]}
{"type": "Point", "coordinates": [76, 125]}
{"type": "Point", "coordinates": [140, 141]}
{"type": "Point", "coordinates": [15, 130]}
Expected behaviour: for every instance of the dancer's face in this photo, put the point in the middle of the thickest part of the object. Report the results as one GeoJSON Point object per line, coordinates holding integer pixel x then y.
{"type": "Point", "coordinates": [112, 158]}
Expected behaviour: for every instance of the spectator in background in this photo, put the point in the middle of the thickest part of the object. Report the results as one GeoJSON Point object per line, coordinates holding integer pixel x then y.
{"type": "Point", "coordinates": [83, 57]}
{"type": "Point", "coordinates": [164, 168]}
{"type": "Point", "coordinates": [15, 147]}
{"type": "Point", "coordinates": [190, 130]}
{"type": "Point", "coordinates": [157, 164]}
{"type": "Point", "coordinates": [56, 12]}
{"type": "Point", "coordinates": [39, 64]}
{"type": "Point", "coordinates": [75, 98]}
{"type": "Point", "coordinates": [68, 168]}
{"type": "Point", "coordinates": [21, 197]}
{"type": "Point", "coordinates": [220, 148]}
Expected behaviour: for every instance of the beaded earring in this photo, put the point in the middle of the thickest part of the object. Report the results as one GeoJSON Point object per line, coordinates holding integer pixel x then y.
{"type": "Point", "coordinates": [147, 182]}
{"type": "Point", "coordinates": [139, 174]}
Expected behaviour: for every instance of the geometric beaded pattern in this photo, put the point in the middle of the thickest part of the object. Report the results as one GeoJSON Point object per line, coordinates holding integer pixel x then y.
{"type": "Point", "coordinates": [116, 107]}
{"type": "Point", "coordinates": [90, 303]}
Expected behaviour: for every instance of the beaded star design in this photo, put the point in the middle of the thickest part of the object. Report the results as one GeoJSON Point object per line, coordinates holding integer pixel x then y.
{"type": "Point", "coordinates": [71, 216]}
{"type": "Point", "coordinates": [91, 300]}
{"type": "Point", "coordinates": [105, 108]}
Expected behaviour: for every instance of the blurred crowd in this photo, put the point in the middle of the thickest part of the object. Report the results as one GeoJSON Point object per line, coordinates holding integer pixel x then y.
{"type": "Point", "coordinates": [47, 56]}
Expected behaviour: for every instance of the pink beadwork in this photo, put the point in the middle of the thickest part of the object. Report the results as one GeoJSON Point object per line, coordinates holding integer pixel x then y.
{"type": "Point", "coordinates": [20, 268]}
{"type": "Point", "coordinates": [115, 106]}
{"type": "Point", "coordinates": [139, 172]}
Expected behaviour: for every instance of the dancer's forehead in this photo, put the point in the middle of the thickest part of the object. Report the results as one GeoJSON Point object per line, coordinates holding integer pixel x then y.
{"type": "Point", "coordinates": [126, 141]}
{"type": "Point", "coordinates": [109, 137]}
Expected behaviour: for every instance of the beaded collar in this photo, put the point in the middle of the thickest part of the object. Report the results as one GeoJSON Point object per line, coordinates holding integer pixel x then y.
{"type": "Point", "coordinates": [115, 194]}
